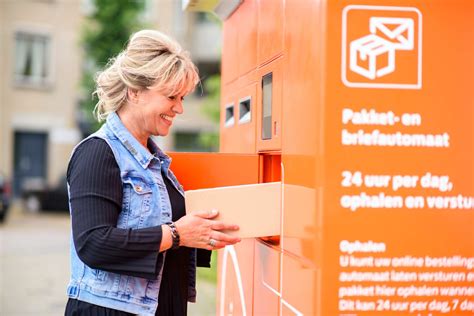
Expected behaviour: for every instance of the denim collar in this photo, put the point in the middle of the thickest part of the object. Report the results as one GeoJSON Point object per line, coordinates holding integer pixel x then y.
{"type": "Point", "coordinates": [143, 156]}
{"type": "Point", "coordinates": [164, 159]}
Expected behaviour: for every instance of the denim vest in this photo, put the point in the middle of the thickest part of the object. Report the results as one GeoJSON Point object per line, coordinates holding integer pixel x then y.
{"type": "Point", "coordinates": [145, 204]}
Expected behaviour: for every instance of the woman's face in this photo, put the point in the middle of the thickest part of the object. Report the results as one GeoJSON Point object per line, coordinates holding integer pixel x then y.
{"type": "Point", "coordinates": [157, 111]}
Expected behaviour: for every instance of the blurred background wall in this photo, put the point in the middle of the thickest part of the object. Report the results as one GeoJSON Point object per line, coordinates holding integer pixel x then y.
{"type": "Point", "coordinates": [41, 65]}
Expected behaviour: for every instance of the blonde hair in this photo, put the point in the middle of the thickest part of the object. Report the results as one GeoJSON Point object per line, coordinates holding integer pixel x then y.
{"type": "Point", "coordinates": [152, 60]}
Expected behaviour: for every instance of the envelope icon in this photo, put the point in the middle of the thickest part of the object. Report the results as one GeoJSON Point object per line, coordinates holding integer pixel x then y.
{"type": "Point", "coordinates": [399, 31]}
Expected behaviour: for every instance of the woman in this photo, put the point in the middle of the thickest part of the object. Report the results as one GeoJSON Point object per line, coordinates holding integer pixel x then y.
{"type": "Point", "coordinates": [133, 248]}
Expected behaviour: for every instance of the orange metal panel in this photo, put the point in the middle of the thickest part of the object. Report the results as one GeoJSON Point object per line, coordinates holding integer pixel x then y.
{"type": "Point", "coordinates": [248, 78]}
{"type": "Point", "coordinates": [303, 122]}
{"type": "Point", "coordinates": [247, 36]}
{"type": "Point", "coordinates": [270, 29]}
{"type": "Point", "coordinates": [240, 137]}
{"type": "Point", "coordinates": [229, 50]}
{"type": "Point", "coordinates": [227, 132]}
{"type": "Point", "coordinates": [210, 170]}
{"type": "Point", "coordinates": [439, 95]}
{"type": "Point", "coordinates": [245, 138]}
{"type": "Point", "coordinates": [246, 129]}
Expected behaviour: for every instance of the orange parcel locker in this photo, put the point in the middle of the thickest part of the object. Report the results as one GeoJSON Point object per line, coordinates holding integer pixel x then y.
{"type": "Point", "coordinates": [377, 153]}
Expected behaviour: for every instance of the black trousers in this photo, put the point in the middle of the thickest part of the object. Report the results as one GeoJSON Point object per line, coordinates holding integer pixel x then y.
{"type": "Point", "coordinates": [79, 308]}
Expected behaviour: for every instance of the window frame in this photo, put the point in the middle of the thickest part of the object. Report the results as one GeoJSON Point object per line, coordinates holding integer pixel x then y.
{"type": "Point", "coordinates": [31, 35]}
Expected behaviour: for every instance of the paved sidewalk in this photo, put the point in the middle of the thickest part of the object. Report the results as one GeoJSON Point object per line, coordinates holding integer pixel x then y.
{"type": "Point", "coordinates": [34, 263]}
{"type": "Point", "coordinates": [34, 266]}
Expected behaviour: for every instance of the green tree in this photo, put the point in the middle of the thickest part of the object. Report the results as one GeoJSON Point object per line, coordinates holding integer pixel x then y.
{"type": "Point", "coordinates": [104, 35]}
{"type": "Point", "coordinates": [212, 110]}
{"type": "Point", "coordinates": [211, 104]}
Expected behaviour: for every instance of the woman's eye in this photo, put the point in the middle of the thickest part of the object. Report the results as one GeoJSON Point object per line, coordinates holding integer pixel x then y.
{"type": "Point", "coordinates": [173, 97]}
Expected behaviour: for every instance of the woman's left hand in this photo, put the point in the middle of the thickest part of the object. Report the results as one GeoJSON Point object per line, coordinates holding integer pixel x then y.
{"type": "Point", "coordinates": [199, 230]}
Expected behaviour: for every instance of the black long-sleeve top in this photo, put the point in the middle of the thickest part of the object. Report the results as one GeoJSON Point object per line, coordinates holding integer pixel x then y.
{"type": "Point", "coordinates": [96, 202]}
{"type": "Point", "coordinates": [95, 192]}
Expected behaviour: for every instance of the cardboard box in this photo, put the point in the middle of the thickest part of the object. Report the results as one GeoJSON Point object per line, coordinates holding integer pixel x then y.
{"type": "Point", "coordinates": [256, 208]}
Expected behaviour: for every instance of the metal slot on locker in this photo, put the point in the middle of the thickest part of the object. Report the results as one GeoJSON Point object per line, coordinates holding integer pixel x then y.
{"type": "Point", "coordinates": [229, 115]}
{"type": "Point", "coordinates": [270, 171]}
{"type": "Point", "coordinates": [245, 111]}
{"type": "Point", "coordinates": [267, 87]}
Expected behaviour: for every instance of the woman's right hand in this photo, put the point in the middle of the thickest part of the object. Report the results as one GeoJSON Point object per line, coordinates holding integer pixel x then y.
{"type": "Point", "coordinates": [197, 229]}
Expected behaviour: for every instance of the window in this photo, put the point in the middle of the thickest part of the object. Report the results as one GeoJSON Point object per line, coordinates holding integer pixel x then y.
{"type": "Point", "coordinates": [32, 60]}
{"type": "Point", "coordinates": [267, 87]}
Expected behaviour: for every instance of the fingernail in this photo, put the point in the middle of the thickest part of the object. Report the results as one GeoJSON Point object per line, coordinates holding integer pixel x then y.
{"type": "Point", "coordinates": [214, 212]}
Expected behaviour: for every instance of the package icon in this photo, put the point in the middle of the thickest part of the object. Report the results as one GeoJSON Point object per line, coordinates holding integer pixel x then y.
{"type": "Point", "coordinates": [381, 47]}
{"type": "Point", "coordinates": [368, 48]}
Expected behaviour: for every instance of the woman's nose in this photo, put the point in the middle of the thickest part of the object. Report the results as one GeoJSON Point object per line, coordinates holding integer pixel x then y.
{"type": "Point", "coordinates": [178, 107]}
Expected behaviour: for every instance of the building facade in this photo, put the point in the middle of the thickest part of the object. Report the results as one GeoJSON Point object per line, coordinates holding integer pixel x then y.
{"type": "Point", "coordinates": [40, 69]}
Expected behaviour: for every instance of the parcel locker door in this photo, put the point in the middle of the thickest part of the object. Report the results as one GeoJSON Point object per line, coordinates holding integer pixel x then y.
{"type": "Point", "coordinates": [266, 299]}
{"type": "Point", "coordinates": [235, 280]}
{"type": "Point", "coordinates": [300, 283]}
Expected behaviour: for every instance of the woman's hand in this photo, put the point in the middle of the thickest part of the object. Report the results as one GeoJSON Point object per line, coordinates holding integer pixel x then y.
{"type": "Point", "coordinates": [199, 230]}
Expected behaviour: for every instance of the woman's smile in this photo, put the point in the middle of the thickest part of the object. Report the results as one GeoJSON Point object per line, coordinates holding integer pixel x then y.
{"type": "Point", "coordinates": [167, 119]}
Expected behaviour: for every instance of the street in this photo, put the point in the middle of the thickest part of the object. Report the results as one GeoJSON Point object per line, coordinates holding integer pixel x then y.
{"type": "Point", "coordinates": [34, 266]}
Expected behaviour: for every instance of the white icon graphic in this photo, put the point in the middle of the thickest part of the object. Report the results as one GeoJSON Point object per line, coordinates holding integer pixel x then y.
{"type": "Point", "coordinates": [230, 250]}
{"type": "Point", "coordinates": [396, 35]}
{"type": "Point", "coordinates": [375, 55]}
{"type": "Point", "coordinates": [371, 46]}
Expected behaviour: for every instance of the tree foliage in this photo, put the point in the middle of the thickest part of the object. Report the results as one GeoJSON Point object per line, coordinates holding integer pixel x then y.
{"type": "Point", "coordinates": [104, 35]}
{"type": "Point", "coordinates": [212, 110]}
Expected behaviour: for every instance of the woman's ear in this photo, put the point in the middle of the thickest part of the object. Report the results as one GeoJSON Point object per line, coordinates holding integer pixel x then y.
{"type": "Point", "coordinates": [132, 95]}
